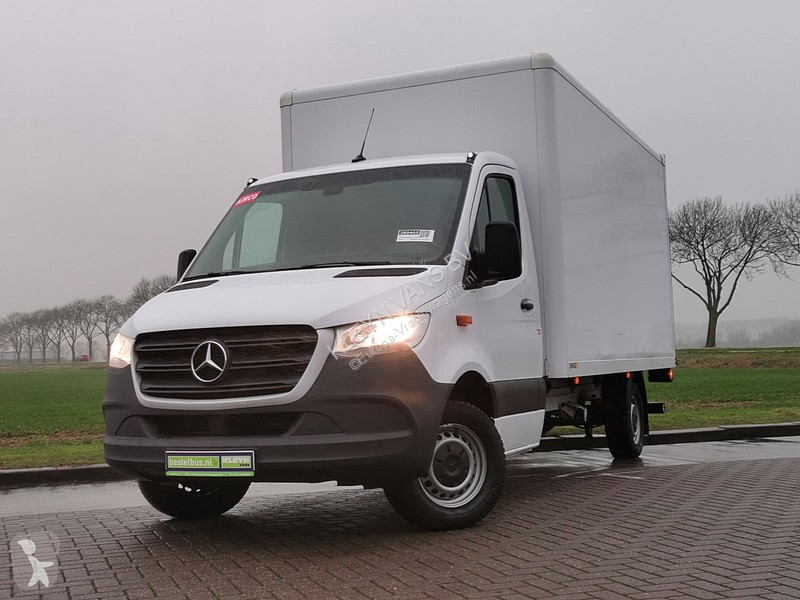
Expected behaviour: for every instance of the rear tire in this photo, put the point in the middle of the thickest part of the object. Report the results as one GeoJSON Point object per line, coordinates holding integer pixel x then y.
{"type": "Point", "coordinates": [192, 501]}
{"type": "Point", "coordinates": [465, 477]}
{"type": "Point", "coordinates": [625, 424]}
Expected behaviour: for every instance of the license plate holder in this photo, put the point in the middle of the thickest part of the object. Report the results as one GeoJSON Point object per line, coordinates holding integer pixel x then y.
{"type": "Point", "coordinates": [210, 463]}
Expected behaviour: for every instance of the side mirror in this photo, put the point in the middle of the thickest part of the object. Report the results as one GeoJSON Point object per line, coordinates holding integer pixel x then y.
{"type": "Point", "coordinates": [502, 258]}
{"type": "Point", "coordinates": [185, 258]}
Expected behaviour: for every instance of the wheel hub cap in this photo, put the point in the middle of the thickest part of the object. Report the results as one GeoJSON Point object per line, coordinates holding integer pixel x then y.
{"type": "Point", "coordinates": [458, 468]}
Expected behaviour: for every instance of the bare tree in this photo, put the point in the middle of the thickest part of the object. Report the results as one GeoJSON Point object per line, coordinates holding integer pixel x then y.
{"type": "Point", "coordinates": [722, 244]}
{"type": "Point", "coordinates": [41, 323]}
{"type": "Point", "coordinates": [111, 314]}
{"type": "Point", "coordinates": [88, 321]}
{"type": "Point", "coordinates": [5, 335]}
{"type": "Point", "coordinates": [787, 213]}
{"type": "Point", "coordinates": [13, 333]}
{"type": "Point", "coordinates": [58, 319]}
{"type": "Point", "coordinates": [29, 334]}
{"type": "Point", "coordinates": [72, 325]}
{"type": "Point", "coordinates": [146, 289]}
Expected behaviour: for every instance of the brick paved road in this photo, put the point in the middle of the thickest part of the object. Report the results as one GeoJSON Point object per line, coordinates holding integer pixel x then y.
{"type": "Point", "coordinates": [660, 529]}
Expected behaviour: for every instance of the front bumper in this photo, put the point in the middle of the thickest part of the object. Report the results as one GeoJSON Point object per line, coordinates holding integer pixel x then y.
{"type": "Point", "coordinates": [367, 426]}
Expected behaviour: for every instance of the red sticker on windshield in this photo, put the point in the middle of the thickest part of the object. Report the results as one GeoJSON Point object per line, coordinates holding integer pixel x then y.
{"type": "Point", "coordinates": [246, 199]}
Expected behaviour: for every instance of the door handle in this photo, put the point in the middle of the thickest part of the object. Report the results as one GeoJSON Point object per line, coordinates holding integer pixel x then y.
{"type": "Point", "coordinates": [526, 304]}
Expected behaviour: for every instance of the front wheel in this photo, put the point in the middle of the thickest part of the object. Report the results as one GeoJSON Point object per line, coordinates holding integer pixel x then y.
{"type": "Point", "coordinates": [192, 501]}
{"type": "Point", "coordinates": [625, 424]}
{"type": "Point", "coordinates": [465, 476]}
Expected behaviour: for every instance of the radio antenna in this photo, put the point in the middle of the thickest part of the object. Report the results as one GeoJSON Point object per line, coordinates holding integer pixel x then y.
{"type": "Point", "coordinates": [361, 156]}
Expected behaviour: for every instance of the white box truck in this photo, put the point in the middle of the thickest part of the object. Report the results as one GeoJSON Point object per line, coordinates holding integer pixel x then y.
{"type": "Point", "coordinates": [497, 265]}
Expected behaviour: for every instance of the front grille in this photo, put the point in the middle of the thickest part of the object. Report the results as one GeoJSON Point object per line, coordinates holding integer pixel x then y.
{"type": "Point", "coordinates": [261, 361]}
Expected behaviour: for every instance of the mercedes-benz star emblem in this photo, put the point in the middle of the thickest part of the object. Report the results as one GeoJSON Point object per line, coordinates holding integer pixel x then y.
{"type": "Point", "coordinates": [209, 361]}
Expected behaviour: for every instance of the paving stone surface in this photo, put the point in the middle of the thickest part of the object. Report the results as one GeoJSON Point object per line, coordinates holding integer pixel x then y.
{"type": "Point", "coordinates": [705, 530]}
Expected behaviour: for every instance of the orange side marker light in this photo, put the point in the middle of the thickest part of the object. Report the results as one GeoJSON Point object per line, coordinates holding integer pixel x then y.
{"type": "Point", "coordinates": [463, 320]}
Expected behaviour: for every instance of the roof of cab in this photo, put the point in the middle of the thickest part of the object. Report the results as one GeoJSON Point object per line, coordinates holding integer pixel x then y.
{"type": "Point", "coordinates": [480, 158]}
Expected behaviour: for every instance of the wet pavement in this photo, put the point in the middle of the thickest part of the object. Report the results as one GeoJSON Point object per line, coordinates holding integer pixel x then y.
{"type": "Point", "coordinates": [704, 520]}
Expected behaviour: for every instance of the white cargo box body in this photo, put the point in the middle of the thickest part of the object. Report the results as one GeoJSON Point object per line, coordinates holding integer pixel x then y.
{"type": "Point", "coordinates": [595, 192]}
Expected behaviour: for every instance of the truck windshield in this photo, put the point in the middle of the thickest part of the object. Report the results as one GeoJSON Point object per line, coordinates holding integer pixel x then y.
{"type": "Point", "coordinates": [398, 215]}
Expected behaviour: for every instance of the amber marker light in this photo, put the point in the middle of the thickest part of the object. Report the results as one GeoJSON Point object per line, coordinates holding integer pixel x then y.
{"type": "Point", "coordinates": [463, 320]}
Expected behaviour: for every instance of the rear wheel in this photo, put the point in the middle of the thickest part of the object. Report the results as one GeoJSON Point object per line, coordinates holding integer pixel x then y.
{"type": "Point", "coordinates": [625, 424]}
{"type": "Point", "coordinates": [465, 476]}
{"type": "Point", "coordinates": [192, 501]}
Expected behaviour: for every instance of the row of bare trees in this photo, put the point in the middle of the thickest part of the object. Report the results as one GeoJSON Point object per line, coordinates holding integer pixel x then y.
{"type": "Point", "coordinates": [724, 243]}
{"type": "Point", "coordinates": [60, 329]}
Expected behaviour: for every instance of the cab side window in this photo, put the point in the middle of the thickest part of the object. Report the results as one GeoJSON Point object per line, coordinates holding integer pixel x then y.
{"type": "Point", "coordinates": [498, 203]}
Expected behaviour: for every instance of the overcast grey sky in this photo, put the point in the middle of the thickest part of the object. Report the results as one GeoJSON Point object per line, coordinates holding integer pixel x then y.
{"type": "Point", "coordinates": [127, 128]}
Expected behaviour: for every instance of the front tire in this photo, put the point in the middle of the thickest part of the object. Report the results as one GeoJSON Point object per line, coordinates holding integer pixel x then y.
{"type": "Point", "coordinates": [192, 501]}
{"type": "Point", "coordinates": [465, 477]}
{"type": "Point", "coordinates": [625, 424]}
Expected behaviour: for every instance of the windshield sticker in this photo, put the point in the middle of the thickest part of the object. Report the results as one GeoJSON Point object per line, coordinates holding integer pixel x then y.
{"type": "Point", "coordinates": [415, 235]}
{"type": "Point", "coordinates": [246, 199]}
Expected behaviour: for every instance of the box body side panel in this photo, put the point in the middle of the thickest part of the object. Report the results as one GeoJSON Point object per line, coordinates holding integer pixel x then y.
{"type": "Point", "coordinates": [609, 294]}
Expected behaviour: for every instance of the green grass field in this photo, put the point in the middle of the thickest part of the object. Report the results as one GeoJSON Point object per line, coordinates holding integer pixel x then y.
{"type": "Point", "coordinates": [51, 415]}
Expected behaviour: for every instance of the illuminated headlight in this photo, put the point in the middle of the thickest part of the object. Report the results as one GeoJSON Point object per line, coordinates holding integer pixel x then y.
{"type": "Point", "coordinates": [381, 335]}
{"type": "Point", "coordinates": [120, 354]}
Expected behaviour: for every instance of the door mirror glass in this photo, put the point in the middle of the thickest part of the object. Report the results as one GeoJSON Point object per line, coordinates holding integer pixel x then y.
{"type": "Point", "coordinates": [184, 260]}
{"type": "Point", "coordinates": [502, 258]}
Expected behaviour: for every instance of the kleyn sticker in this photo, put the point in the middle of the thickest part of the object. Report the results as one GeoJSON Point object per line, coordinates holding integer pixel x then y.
{"type": "Point", "coordinates": [246, 199]}
{"type": "Point", "coordinates": [415, 235]}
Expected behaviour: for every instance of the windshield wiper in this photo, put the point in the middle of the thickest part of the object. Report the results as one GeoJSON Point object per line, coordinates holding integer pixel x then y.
{"type": "Point", "coordinates": [215, 274]}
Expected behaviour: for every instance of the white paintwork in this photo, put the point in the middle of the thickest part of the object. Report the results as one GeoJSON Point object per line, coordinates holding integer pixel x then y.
{"type": "Point", "coordinates": [595, 192]}
{"type": "Point", "coordinates": [310, 297]}
{"type": "Point", "coordinates": [520, 432]}
{"type": "Point", "coordinates": [510, 337]}
{"type": "Point", "coordinates": [603, 241]}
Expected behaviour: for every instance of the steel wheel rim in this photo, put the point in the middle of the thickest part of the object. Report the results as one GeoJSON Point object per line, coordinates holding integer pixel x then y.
{"type": "Point", "coordinates": [636, 422]}
{"type": "Point", "coordinates": [458, 467]}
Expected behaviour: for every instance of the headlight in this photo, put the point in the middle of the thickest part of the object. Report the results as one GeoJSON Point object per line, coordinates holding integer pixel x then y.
{"type": "Point", "coordinates": [381, 335]}
{"type": "Point", "coordinates": [120, 354]}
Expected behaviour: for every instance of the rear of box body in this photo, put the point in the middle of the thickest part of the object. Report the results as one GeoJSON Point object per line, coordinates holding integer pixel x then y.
{"type": "Point", "coordinates": [595, 192]}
